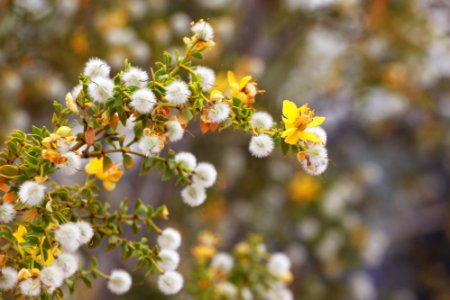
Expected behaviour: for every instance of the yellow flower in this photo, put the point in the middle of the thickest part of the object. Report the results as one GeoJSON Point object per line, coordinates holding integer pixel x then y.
{"type": "Point", "coordinates": [109, 175]}
{"type": "Point", "coordinates": [296, 120]}
{"type": "Point", "coordinates": [245, 90]}
{"type": "Point", "coordinates": [304, 188]}
{"type": "Point", "coordinates": [21, 231]}
{"type": "Point", "coordinates": [203, 252]}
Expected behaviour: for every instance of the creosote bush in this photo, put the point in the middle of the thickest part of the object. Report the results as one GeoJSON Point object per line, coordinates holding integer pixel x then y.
{"type": "Point", "coordinates": [44, 224]}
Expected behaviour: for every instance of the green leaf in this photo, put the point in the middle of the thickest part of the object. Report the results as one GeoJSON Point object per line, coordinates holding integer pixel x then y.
{"type": "Point", "coordinates": [285, 147]}
{"type": "Point", "coordinates": [9, 171]}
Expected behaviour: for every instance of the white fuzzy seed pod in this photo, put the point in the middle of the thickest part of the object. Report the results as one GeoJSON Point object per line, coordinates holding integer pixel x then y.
{"type": "Point", "coordinates": [261, 145]}
{"type": "Point", "coordinates": [96, 67]}
{"type": "Point", "coordinates": [31, 193]}
{"type": "Point", "coordinates": [30, 287]}
{"type": "Point", "coordinates": [119, 282]}
{"type": "Point", "coordinates": [207, 77]}
{"type": "Point", "coordinates": [51, 276]}
{"type": "Point", "coordinates": [219, 112]}
{"type": "Point", "coordinates": [143, 101]}
{"type": "Point", "coordinates": [8, 278]}
{"type": "Point", "coordinates": [175, 131]}
{"type": "Point", "coordinates": [203, 30]}
{"type": "Point", "coordinates": [86, 232]}
{"type": "Point", "coordinates": [170, 282]}
{"type": "Point", "coordinates": [68, 235]}
{"type": "Point", "coordinates": [169, 260]}
{"type": "Point", "coordinates": [193, 195]}
{"type": "Point", "coordinates": [150, 145]}
{"type": "Point", "coordinates": [177, 92]}
{"type": "Point", "coordinates": [169, 239]}
{"type": "Point", "coordinates": [205, 175]}
{"type": "Point", "coordinates": [222, 262]}
{"type": "Point", "coordinates": [101, 89]}
{"type": "Point", "coordinates": [316, 160]}
{"type": "Point", "coordinates": [187, 159]}
{"type": "Point", "coordinates": [68, 263]}
{"type": "Point", "coordinates": [72, 165]}
{"type": "Point", "coordinates": [227, 289]}
{"type": "Point", "coordinates": [261, 120]}
{"type": "Point", "coordinates": [135, 77]}
{"type": "Point", "coordinates": [7, 213]}
{"type": "Point", "coordinates": [279, 264]}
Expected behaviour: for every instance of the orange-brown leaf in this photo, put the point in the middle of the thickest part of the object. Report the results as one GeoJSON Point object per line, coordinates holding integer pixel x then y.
{"type": "Point", "coordinates": [4, 187]}
{"type": "Point", "coordinates": [89, 136]}
{"type": "Point", "coordinates": [9, 197]}
{"type": "Point", "coordinates": [32, 214]}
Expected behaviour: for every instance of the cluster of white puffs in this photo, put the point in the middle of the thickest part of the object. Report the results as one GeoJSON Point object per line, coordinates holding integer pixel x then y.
{"type": "Point", "coordinates": [71, 236]}
{"type": "Point", "coordinates": [170, 281]}
{"type": "Point", "coordinates": [278, 266]}
{"type": "Point", "coordinates": [143, 101]}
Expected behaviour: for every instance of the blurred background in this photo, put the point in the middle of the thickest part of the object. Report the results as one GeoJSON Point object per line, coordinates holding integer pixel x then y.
{"type": "Point", "coordinates": [375, 225]}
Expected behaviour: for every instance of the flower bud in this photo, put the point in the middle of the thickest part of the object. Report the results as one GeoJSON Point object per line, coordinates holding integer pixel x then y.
{"type": "Point", "coordinates": [64, 131]}
{"type": "Point", "coordinates": [70, 104]}
{"type": "Point", "coordinates": [24, 274]}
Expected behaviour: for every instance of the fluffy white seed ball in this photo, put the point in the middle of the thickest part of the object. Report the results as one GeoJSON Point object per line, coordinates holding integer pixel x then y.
{"type": "Point", "coordinates": [316, 161]}
{"type": "Point", "coordinates": [177, 92]}
{"type": "Point", "coordinates": [119, 282]}
{"type": "Point", "coordinates": [101, 89]}
{"type": "Point", "coordinates": [207, 77]}
{"type": "Point", "coordinates": [68, 263]}
{"type": "Point", "coordinates": [135, 77]}
{"type": "Point", "coordinates": [169, 239]}
{"type": "Point", "coordinates": [31, 193]}
{"type": "Point", "coordinates": [51, 276]}
{"type": "Point", "coordinates": [143, 101]}
{"type": "Point", "coordinates": [170, 282]}
{"type": "Point", "coordinates": [7, 213]}
{"type": "Point", "coordinates": [205, 175]}
{"type": "Point", "coordinates": [222, 262]}
{"type": "Point", "coordinates": [279, 264]}
{"type": "Point", "coordinates": [170, 259]}
{"type": "Point", "coordinates": [261, 145]}
{"type": "Point", "coordinates": [228, 290]}
{"type": "Point", "coordinates": [96, 67]}
{"type": "Point", "coordinates": [150, 145]}
{"type": "Point", "coordinates": [279, 292]}
{"type": "Point", "coordinates": [193, 195]}
{"type": "Point", "coordinates": [219, 112]}
{"type": "Point", "coordinates": [261, 120]}
{"type": "Point", "coordinates": [187, 159]}
{"type": "Point", "coordinates": [68, 235]}
{"type": "Point", "coordinates": [203, 30]}
{"type": "Point", "coordinates": [30, 287]}
{"type": "Point", "coordinates": [86, 232]}
{"type": "Point", "coordinates": [72, 165]}
{"type": "Point", "coordinates": [8, 278]}
{"type": "Point", "coordinates": [175, 131]}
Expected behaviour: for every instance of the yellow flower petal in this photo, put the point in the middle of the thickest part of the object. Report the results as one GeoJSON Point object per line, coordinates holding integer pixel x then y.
{"type": "Point", "coordinates": [289, 110]}
{"type": "Point", "coordinates": [21, 231]}
{"type": "Point", "coordinates": [109, 185]}
{"type": "Point", "coordinates": [288, 131]}
{"type": "Point", "coordinates": [309, 136]}
{"type": "Point", "coordinates": [244, 81]}
{"type": "Point", "coordinates": [316, 121]}
{"type": "Point", "coordinates": [231, 78]}
{"type": "Point", "coordinates": [293, 137]}
{"type": "Point", "coordinates": [95, 166]}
